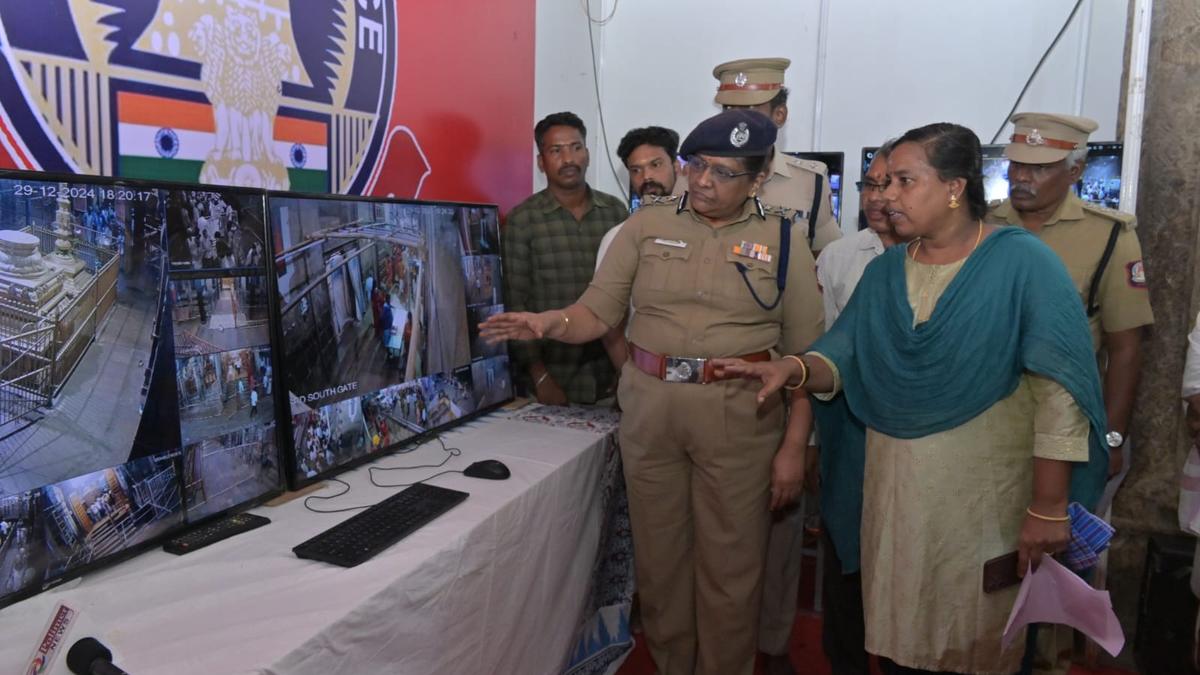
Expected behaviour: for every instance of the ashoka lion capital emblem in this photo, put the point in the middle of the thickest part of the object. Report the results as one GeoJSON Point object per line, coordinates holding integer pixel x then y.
{"type": "Point", "coordinates": [282, 94]}
{"type": "Point", "coordinates": [242, 74]}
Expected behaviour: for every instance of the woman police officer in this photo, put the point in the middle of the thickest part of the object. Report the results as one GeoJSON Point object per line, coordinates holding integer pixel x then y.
{"type": "Point", "coordinates": [713, 273]}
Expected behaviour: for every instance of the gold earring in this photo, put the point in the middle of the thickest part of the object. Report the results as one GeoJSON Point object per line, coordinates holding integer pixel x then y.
{"type": "Point", "coordinates": [954, 201]}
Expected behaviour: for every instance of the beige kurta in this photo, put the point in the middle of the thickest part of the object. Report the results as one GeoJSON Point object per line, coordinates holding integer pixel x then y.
{"type": "Point", "coordinates": [936, 508]}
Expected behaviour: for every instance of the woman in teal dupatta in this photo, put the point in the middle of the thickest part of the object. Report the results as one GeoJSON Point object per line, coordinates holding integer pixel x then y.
{"type": "Point", "coordinates": [966, 354]}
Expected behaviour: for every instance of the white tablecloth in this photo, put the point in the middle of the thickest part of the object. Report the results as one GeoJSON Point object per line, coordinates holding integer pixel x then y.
{"type": "Point", "coordinates": [497, 585]}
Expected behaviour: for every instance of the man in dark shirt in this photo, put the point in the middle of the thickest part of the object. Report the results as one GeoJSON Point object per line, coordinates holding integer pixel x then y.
{"type": "Point", "coordinates": [549, 248]}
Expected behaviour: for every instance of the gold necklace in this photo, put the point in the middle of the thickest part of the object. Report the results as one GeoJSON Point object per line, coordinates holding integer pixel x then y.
{"type": "Point", "coordinates": [978, 238]}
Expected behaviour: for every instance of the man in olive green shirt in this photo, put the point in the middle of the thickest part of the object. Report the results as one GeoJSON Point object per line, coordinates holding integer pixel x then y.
{"type": "Point", "coordinates": [549, 251]}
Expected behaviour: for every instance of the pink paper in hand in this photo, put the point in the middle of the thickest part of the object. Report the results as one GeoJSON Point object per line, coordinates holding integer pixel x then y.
{"type": "Point", "coordinates": [1054, 594]}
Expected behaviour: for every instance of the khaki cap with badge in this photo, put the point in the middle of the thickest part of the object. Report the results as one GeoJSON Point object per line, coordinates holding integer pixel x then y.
{"type": "Point", "coordinates": [1044, 138]}
{"type": "Point", "coordinates": [749, 82]}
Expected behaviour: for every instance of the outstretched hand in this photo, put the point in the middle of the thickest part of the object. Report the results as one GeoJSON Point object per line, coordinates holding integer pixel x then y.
{"type": "Point", "coordinates": [772, 374]}
{"type": "Point", "coordinates": [514, 326]}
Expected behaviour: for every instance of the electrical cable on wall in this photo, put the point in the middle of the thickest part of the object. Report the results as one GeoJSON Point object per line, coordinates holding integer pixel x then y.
{"type": "Point", "coordinates": [587, 7]}
{"type": "Point", "coordinates": [1045, 55]}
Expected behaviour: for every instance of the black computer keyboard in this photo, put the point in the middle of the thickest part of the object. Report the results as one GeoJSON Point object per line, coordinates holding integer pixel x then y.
{"type": "Point", "coordinates": [211, 533]}
{"type": "Point", "coordinates": [360, 537]}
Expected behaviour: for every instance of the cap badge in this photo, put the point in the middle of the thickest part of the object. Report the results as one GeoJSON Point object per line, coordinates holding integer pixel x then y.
{"type": "Point", "coordinates": [739, 136]}
{"type": "Point", "coordinates": [740, 79]}
{"type": "Point", "coordinates": [1034, 137]}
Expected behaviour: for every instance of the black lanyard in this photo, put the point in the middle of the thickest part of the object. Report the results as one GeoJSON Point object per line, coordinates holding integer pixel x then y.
{"type": "Point", "coordinates": [785, 246]}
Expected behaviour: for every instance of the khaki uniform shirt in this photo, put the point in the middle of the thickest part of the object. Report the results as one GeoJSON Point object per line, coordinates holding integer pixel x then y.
{"type": "Point", "coordinates": [790, 186]}
{"type": "Point", "coordinates": [691, 300]}
{"type": "Point", "coordinates": [1078, 232]}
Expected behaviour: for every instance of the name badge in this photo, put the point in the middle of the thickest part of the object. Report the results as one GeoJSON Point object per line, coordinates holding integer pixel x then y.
{"type": "Point", "coordinates": [671, 242]}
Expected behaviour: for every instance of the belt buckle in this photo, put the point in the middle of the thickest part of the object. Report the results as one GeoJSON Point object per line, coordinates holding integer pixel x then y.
{"type": "Point", "coordinates": [682, 369]}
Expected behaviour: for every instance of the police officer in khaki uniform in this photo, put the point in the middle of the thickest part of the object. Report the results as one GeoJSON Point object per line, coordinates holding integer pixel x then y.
{"type": "Point", "coordinates": [1100, 248]}
{"type": "Point", "coordinates": [799, 185]}
{"type": "Point", "coordinates": [802, 186]}
{"type": "Point", "coordinates": [713, 273]}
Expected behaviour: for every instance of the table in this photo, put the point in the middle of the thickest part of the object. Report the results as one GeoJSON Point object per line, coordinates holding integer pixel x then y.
{"type": "Point", "coordinates": [500, 584]}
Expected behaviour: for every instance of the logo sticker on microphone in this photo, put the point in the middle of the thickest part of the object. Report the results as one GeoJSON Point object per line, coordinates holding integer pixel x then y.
{"type": "Point", "coordinates": [53, 637]}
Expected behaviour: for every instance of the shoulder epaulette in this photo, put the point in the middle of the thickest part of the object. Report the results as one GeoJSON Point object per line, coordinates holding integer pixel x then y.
{"type": "Point", "coordinates": [807, 165]}
{"type": "Point", "coordinates": [1112, 215]}
{"type": "Point", "coordinates": [780, 211]}
{"type": "Point", "coordinates": [654, 200]}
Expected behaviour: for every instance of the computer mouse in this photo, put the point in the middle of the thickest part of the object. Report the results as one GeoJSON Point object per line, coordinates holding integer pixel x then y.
{"type": "Point", "coordinates": [492, 469]}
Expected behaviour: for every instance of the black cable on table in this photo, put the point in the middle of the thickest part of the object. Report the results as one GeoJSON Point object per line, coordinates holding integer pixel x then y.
{"type": "Point", "coordinates": [348, 508]}
{"type": "Point", "coordinates": [450, 453]}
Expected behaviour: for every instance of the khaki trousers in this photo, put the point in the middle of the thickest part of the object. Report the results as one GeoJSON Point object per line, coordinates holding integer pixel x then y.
{"type": "Point", "coordinates": [697, 462]}
{"type": "Point", "coordinates": [781, 581]}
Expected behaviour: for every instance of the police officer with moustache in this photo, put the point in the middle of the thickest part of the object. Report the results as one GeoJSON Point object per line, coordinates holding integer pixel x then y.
{"type": "Point", "coordinates": [800, 185]}
{"type": "Point", "coordinates": [1100, 249]}
{"type": "Point", "coordinates": [712, 272]}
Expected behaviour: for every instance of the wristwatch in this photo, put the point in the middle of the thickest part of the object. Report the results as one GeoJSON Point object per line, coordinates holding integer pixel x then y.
{"type": "Point", "coordinates": [1114, 439]}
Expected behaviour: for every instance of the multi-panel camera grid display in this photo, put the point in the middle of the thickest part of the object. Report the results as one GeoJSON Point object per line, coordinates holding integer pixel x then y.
{"type": "Point", "coordinates": [133, 345]}
{"type": "Point", "coordinates": [379, 303]}
{"type": "Point", "coordinates": [140, 391]}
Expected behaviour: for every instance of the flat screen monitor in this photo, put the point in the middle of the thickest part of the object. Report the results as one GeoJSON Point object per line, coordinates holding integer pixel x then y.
{"type": "Point", "coordinates": [379, 303]}
{"type": "Point", "coordinates": [995, 173]}
{"type": "Point", "coordinates": [1101, 180]}
{"type": "Point", "coordinates": [219, 297]}
{"type": "Point", "coordinates": [834, 163]}
{"type": "Point", "coordinates": [96, 423]}
{"type": "Point", "coordinates": [1100, 183]}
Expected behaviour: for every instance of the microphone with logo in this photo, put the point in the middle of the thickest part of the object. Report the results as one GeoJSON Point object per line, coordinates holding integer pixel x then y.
{"type": "Point", "coordinates": [89, 657]}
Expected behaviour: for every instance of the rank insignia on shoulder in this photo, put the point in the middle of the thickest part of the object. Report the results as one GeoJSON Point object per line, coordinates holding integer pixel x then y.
{"type": "Point", "coordinates": [783, 212]}
{"type": "Point", "coordinates": [1136, 274]}
{"type": "Point", "coordinates": [660, 199]}
{"type": "Point", "coordinates": [758, 252]}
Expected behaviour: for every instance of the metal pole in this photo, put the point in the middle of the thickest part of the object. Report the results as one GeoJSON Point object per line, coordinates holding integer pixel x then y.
{"type": "Point", "coordinates": [1135, 103]}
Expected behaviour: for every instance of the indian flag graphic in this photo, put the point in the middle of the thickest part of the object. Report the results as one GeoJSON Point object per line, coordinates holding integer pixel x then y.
{"type": "Point", "coordinates": [303, 144]}
{"type": "Point", "coordinates": [164, 138]}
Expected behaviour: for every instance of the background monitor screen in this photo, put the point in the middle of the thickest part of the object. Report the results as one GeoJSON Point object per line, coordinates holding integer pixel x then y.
{"type": "Point", "coordinates": [1100, 183]}
{"type": "Point", "coordinates": [834, 163]}
{"type": "Point", "coordinates": [1101, 180]}
{"type": "Point", "coordinates": [379, 303]}
{"type": "Point", "coordinates": [95, 420]}
{"type": "Point", "coordinates": [995, 173]}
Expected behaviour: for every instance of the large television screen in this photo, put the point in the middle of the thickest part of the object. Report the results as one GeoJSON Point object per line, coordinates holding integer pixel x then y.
{"type": "Point", "coordinates": [379, 302]}
{"type": "Point", "coordinates": [834, 162]}
{"type": "Point", "coordinates": [95, 424]}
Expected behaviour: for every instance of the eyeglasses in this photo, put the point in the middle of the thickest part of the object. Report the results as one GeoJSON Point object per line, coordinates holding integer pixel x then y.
{"type": "Point", "coordinates": [697, 167]}
{"type": "Point", "coordinates": [871, 186]}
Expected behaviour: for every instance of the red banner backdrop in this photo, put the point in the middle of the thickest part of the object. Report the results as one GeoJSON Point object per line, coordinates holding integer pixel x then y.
{"type": "Point", "coordinates": [384, 97]}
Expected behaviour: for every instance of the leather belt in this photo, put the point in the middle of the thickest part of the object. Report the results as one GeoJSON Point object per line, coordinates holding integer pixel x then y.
{"type": "Point", "coordinates": [682, 368]}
